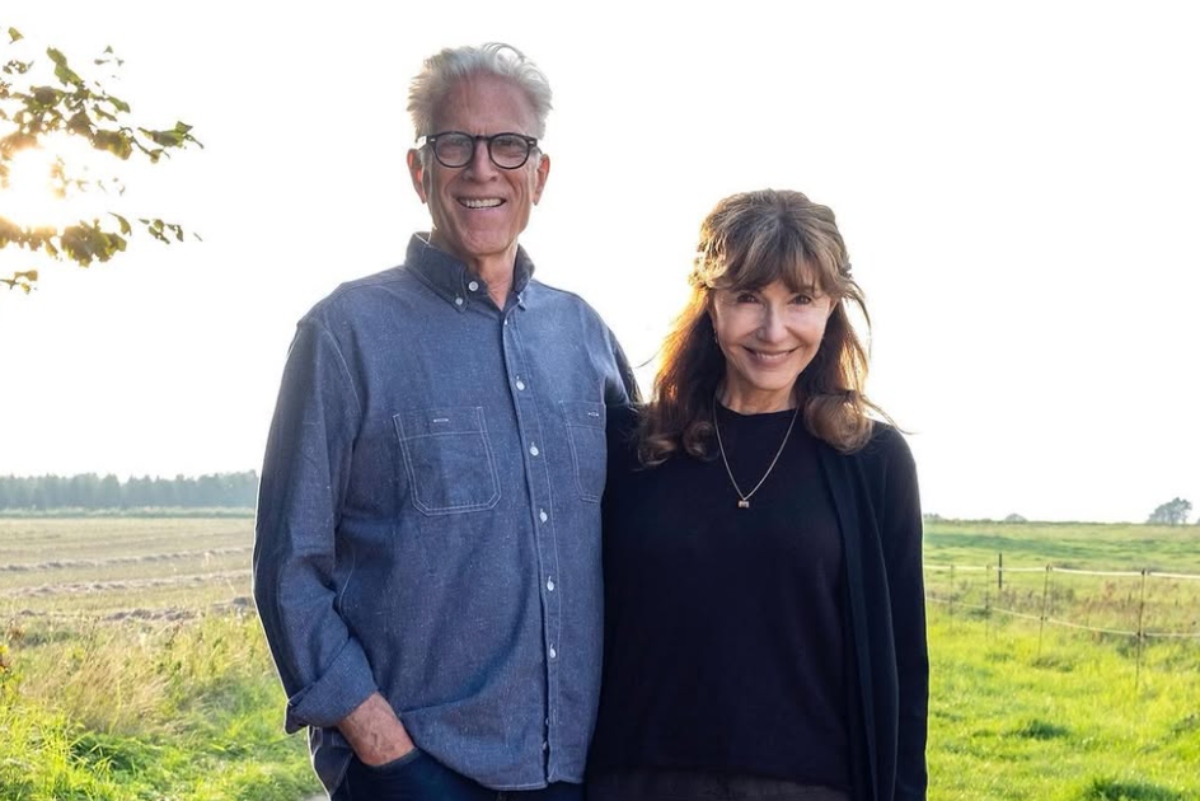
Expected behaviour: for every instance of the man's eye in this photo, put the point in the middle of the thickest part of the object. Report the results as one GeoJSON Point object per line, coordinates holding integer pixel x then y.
{"type": "Point", "coordinates": [509, 145]}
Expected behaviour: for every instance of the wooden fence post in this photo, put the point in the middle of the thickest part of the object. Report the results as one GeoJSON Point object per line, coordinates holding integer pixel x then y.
{"type": "Point", "coordinates": [950, 598]}
{"type": "Point", "coordinates": [1042, 617]}
{"type": "Point", "coordinates": [1141, 633]}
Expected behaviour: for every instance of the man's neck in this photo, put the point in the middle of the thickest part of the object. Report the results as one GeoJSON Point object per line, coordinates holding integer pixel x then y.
{"type": "Point", "coordinates": [496, 271]}
{"type": "Point", "coordinates": [497, 276]}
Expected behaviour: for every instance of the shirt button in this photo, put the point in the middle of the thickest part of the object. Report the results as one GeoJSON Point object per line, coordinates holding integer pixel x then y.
{"type": "Point", "coordinates": [458, 301]}
{"type": "Point", "coordinates": [520, 384]}
{"type": "Point", "coordinates": [542, 514]}
{"type": "Point", "coordinates": [533, 450]}
{"type": "Point", "coordinates": [545, 745]}
{"type": "Point", "coordinates": [474, 285]}
{"type": "Point", "coordinates": [553, 654]}
{"type": "Point", "coordinates": [550, 585]}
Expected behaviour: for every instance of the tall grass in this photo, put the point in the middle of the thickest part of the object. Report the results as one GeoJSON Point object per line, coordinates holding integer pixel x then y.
{"type": "Point", "coordinates": [189, 711]}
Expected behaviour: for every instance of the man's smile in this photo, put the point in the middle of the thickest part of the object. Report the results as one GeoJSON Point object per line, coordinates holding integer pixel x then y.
{"type": "Point", "coordinates": [480, 202]}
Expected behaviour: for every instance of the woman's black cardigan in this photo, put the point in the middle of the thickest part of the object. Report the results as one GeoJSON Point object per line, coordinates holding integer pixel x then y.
{"type": "Point", "coordinates": [878, 509]}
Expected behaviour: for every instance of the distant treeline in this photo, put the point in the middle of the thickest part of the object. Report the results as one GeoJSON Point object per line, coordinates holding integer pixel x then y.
{"type": "Point", "coordinates": [90, 491]}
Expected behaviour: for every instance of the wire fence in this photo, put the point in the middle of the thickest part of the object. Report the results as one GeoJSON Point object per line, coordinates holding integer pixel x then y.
{"type": "Point", "coordinates": [1141, 605]}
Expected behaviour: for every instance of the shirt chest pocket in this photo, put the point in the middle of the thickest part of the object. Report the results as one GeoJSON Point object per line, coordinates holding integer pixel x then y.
{"type": "Point", "coordinates": [448, 459]}
{"type": "Point", "coordinates": [585, 430]}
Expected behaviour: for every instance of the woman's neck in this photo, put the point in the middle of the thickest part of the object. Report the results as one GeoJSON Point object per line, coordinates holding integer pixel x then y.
{"type": "Point", "coordinates": [755, 401]}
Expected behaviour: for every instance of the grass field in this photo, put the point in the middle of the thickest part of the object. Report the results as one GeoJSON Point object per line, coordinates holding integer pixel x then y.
{"type": "Point", "coordinates": [132, 667]}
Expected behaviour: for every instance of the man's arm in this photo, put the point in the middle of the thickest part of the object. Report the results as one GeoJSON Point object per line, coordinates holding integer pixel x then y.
{"type": "Point", "coordinates": [632, 394]}
{"type": "Point", "coordinates": [305, 475]}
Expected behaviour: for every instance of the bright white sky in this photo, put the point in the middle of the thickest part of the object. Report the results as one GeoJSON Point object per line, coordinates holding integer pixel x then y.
{"type": "Point", "coordinates": [1017, 184]}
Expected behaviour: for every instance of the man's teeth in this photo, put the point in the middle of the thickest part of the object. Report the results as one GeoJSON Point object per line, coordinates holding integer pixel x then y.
{"type": "Point", "coordinates": [481, 203]}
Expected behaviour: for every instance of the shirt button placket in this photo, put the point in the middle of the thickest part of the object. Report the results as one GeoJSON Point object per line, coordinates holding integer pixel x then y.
{"type": "Point", "coordinates": [526, 402]}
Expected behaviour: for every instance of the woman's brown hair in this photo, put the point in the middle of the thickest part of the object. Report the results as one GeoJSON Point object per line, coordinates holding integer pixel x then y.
{"type": "Point", "coordinates": [749, 241]}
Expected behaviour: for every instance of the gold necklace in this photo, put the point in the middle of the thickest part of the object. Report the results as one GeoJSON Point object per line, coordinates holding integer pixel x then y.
{"type": "Point", "coordinates": [744, 500]}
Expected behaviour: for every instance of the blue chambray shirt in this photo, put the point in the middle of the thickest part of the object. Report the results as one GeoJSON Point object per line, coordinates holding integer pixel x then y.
{"type": "Point", "coordinates": [429, 518]}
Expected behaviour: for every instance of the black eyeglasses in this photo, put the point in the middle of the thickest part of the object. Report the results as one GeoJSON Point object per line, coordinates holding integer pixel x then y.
{"type": "Point", "coordinates": [453, 149]}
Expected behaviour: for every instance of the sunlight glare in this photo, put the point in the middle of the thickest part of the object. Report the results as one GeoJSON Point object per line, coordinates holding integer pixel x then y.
{"type": "Point", "coordinates": [31, 197]}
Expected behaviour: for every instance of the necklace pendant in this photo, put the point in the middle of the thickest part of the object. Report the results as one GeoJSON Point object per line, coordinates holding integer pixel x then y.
{"type": "Point", "coordinates": [743, 503]}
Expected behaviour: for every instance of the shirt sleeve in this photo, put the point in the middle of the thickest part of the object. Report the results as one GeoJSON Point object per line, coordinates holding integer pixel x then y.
{"type": "Point", "coordinates": [627, 392]}
{"type": "Point", "coordinates": [902, 533]}
{"type": "Point", "coordinates": [304, 478]}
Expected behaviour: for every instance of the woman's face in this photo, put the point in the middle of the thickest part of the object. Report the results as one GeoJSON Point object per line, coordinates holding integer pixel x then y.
{"type": "Point", "coordinates": [768, 335]}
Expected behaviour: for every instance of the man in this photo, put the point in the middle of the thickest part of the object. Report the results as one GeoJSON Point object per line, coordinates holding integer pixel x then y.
{"type": "Point", "coordinates": [427, 562]}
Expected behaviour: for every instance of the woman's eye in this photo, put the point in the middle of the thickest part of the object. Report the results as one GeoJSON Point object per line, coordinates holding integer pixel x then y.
{"type": "Point", "coordinates": [802, 300]}
{"type": "Point", "coordinates": [746, 297]}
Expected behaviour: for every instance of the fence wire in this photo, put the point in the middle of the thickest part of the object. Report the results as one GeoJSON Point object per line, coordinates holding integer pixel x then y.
{"type": "Point", "coordinates": [1054, 603]}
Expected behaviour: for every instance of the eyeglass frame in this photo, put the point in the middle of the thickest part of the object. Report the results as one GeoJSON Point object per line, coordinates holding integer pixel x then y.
{"type": "Point", "coordinates": [431, 140]}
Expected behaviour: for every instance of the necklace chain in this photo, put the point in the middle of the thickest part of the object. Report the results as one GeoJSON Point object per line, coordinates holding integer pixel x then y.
{"type": "Point", "coordinates": [744, 499]}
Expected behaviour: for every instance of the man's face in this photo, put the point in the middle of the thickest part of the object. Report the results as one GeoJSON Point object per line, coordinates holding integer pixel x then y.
{"type": "Point", "coordinates": [479, 210]}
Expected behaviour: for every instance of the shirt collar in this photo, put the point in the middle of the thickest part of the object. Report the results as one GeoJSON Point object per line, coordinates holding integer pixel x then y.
{"type": "Point", "coordinates": [451, 279]}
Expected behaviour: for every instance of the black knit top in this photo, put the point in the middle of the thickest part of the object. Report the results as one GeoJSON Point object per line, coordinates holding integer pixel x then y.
{"type": "Point", "coordinates": [724, 646]}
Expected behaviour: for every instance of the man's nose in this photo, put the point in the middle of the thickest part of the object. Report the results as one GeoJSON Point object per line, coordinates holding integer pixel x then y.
{"type": "Point", "coordinates": [481, 164]}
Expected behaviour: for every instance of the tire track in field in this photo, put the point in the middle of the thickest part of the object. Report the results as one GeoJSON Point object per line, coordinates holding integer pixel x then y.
{"type": "Point", "coordinates": [67, 564]}
{"type": "Point", "coordinates": [78, 587]}
{"type": "Point", "coordinates": [238, 605]}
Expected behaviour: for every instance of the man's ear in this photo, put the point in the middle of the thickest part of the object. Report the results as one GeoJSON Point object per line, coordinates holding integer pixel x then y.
{"type": "Point", "coordinates": [543, 172]}
{"type": "Point", "coordinates": [416, 169]}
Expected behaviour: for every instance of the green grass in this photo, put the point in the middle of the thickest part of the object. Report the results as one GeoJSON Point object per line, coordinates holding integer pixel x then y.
{"type": "Point", "coordinates": [185, 710]}
{"type": "Point", "coordinates": [132, 667]}
{"type": "Point", "coordinates": [1093, 546]}
{"type": "Point", "coordinates": [1069, 719]}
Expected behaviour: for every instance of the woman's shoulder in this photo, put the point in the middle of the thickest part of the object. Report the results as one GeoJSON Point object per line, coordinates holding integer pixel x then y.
{"type": "Point", "coordinates": [623, 417]}
{"type": "Point", "coordinates": [885, 448]}
{"type": "Point", "coordinates": [622, 426]}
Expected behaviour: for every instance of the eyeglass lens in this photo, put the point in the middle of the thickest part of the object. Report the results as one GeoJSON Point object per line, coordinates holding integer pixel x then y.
{"type": "Point", "coordinates": [507, 151]}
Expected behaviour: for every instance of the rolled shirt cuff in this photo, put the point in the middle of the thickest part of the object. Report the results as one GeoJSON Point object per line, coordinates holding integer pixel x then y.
{"type": "Point", "coordinates": [338, 692]}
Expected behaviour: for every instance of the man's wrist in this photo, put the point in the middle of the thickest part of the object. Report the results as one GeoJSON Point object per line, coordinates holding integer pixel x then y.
{"type": "Point", "coordinates": [375, 732]}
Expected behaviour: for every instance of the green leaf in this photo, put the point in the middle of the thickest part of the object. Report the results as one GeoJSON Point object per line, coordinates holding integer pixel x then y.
{"type": "Point", "coordinates": [80, 124]}
{"type": "Point", "coordinates": [115, 142]}
{"type": "Point", "coordinates": [64, 73]}
{"type": "Point", "coordinates": [45, 95]}
{"type": "Point", "coordinates": [14, 35]}
{"type": "Point", "coordinates": [163, 138]}
{"type": "Point", "coordinates": [15, 67]}
{"type": "Point", "coordinates": [125, 229]}
{"type": "Point", "coordinates": [118, 104]}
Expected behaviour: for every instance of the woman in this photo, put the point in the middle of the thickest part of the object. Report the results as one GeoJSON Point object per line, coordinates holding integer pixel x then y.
{"type": "Point", "coordinates": [765, 632]}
